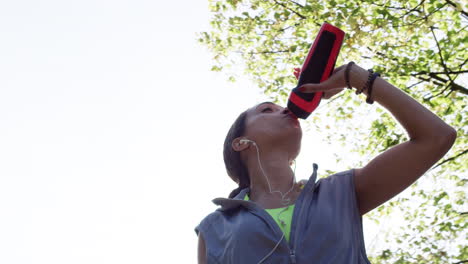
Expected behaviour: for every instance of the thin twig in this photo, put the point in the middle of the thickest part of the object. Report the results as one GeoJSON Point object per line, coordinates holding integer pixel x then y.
{"type": "Point", "coordinates": [390, 7]}
{"type": "Point", "coordinates": [449, 72]}
{"type": "Point", "coordinates": [440, 54]}
{"type": "Point", "coordinates": [433, 96]}
{"type": "Point", "coordinates": [451, 158]}
{"type": "Point", "coordinates": [413, 9]}
{"type": "Point", "coordinates": [290, 9]}
{"type": "Point", "coordinates": [414, 84]}
{"type": "Point", "coordinates": [455, 5]}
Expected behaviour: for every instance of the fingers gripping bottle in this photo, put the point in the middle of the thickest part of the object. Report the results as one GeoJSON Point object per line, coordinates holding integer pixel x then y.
{"type": "Point", "coordinates": [317, 67]}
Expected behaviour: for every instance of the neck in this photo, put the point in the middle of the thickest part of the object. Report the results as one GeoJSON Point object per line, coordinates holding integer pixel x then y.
{"type": "Point", "coordinates": [271, 179]}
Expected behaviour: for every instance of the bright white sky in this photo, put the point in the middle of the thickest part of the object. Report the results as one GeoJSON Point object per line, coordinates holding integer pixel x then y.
{"type": "Point", "coordinates": [111, 131]}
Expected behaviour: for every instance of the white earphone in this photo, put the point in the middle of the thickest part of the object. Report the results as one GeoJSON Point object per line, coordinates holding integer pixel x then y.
{"type": "Point", "coordinates": [245, 141]}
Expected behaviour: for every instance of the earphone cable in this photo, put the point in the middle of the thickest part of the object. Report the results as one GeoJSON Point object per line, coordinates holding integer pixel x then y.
{"type": "Point", "coordinates": [283, 201]}
{"type": "Point", "coordinates": [273, 250]}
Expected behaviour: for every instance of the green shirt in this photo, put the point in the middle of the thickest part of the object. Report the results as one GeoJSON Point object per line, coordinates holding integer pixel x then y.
{"type": "Point", "coordinates": [282, 217]}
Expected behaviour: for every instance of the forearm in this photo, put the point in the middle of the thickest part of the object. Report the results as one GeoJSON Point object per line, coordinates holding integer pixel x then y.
{"type": "Point", "coordinates": [420, 123]}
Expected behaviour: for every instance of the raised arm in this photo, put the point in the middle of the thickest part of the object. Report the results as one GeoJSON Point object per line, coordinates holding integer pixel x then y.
{"type": "Point", "coordinates": [400, 166]}
{"type": "Point", "coordinates": [397, 168]}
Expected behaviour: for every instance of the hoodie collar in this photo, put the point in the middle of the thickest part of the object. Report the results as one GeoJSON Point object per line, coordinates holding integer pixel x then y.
{"type": "Point", "coordinates": [238, 200]}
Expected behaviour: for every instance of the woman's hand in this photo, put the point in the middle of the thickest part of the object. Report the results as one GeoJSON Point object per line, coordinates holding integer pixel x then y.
{"type": "Point", "coordinates": [336, 83]}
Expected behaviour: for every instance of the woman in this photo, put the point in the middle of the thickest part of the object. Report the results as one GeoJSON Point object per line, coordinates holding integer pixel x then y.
{"type": "Point", "coordinates": [321, 221]}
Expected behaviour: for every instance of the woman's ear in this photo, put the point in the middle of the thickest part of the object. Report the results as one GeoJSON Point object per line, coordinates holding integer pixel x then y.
{"type": "Point", "coordinates": [237, 145]}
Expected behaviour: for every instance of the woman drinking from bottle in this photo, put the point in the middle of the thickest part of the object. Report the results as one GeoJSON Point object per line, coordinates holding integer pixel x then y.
{"type": "Point", "coordinates": [270, 218]}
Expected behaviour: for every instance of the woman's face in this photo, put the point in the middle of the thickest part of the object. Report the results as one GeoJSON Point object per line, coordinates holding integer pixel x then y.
{"type": "Point", "coordinates": [269, 123]}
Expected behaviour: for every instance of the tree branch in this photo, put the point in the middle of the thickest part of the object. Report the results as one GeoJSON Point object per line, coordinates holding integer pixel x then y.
{"type": "Point", "coordinates": [301, 6]}
{"type": "Point", "coordinates": [390, 7]}
{"type": "Point", "coordinates": [414, 84]}
{"type": "Point", "coordinates": [448, 93]}
{"type": "Point", "coordinates": [414, 9]}
{"type": "Point", "coordinates": [441, 82]}
{"type": "Point", "coordinates": [262, 52]}
{"type": "Point", "coordinates": [440, 54]}
{"type": "Point", "coordinates": [292, 10]}
{"type": "Point", "coordinates": [433, 96]}
{"type": "Point", "coordinates": [451, 158]}
{"type": "Point", "coordinates": [455, 5]}
{"type": "Point", "coordinates": [412, 23]}
{"type": "Point", "coordinates": [454, 86]}
{"type": "Point", "coordinates": [429, 80]}
{"type": "Point", "coordinates": [463, 64]}
{"type": "Point", "coordinates": [449, 72]}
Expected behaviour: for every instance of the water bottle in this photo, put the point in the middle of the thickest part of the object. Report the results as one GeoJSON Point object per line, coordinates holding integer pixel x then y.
{"type": "Point", "coordinates": [317, 67]}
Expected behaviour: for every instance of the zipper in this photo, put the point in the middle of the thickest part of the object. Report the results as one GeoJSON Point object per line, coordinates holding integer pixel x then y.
{"type": "Point", "coordinates": [292, 256]}
{"type": "Point", "coordinates": [292, 253]}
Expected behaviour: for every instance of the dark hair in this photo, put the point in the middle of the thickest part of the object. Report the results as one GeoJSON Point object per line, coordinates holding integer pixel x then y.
{"type": "Point", "coordinates": [234, 165]}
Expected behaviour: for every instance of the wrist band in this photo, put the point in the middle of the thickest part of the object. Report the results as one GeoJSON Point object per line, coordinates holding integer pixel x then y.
{"type": "Point", "coordinates": [369, 93]}
{"type": "Point", "coordinates": [348, 68]}
{"type": "Point", "coordinates": [367, 83]}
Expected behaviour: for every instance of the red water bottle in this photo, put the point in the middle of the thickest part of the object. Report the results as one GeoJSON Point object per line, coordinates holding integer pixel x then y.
{"type": "Point", "coordinates": [317, 67]}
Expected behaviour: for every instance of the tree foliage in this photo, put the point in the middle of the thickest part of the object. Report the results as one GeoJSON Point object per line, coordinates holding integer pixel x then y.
{"type": "Point", "coordinates": [420, 46]}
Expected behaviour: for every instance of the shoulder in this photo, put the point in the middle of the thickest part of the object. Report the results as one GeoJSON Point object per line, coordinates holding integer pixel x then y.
{"type": "Point", "coordinates": [338, 187]}
{"type": "Point", "coordinates": [217, 221]}
{"type": "Point", "coordinates": [208, 221]}
{"type": "Point", "coordinates": [341, 179]}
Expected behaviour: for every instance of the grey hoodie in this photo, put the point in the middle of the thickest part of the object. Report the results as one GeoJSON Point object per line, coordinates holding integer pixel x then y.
{"type": "Point", "coordinates": [326, 227]}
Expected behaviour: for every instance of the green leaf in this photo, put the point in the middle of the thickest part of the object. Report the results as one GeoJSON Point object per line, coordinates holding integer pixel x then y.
{"type": "Point", "coordinates": [216, 68]}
